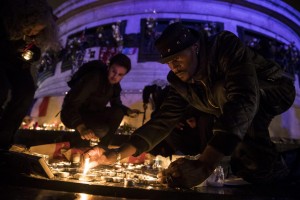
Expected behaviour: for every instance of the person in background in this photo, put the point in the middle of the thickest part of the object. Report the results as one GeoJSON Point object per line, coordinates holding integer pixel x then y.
{"type": "Point", "coordinates": [85, 106]}
{"type": "Point", "coordinates": [155, 94]}
{"type": "Point", "coordinates": [190, 134]}
{"type": "Point", "coordinates": [217, 75]}
{"type": "Point", "coordinates": [27, 30]}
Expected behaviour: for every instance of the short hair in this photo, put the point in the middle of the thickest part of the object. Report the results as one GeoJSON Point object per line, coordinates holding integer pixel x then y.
{"type": "Point", "coordinates": [121, 60]}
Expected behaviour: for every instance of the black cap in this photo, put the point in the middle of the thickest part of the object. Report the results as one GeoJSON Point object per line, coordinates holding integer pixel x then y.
{"type": "Point", "coordinates": [175, 38]}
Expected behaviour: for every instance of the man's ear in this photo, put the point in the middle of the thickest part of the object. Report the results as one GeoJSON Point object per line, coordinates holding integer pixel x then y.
{"type": "Point", "coordinates": [195, 47]}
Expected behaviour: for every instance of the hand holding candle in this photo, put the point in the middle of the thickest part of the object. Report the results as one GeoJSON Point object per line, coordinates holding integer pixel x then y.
{"type": "Point", "coordinates": [100, 156]}
{"type": "Point", "coordinates": [96, 157]}
{"type": "Point", "coordinates": [85, 176]}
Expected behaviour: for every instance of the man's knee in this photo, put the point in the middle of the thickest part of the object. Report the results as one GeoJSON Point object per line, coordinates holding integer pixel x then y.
{"type": "Point", "coordinates": [65, 119]}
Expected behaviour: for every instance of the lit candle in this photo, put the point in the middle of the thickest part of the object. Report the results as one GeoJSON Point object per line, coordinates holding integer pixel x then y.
{"type": "Point", "coordinates": [27, 55]}
{"type": "Point", "coordinates": [86, 166]}
{"type": "Point", "coordinates": [83, 176]}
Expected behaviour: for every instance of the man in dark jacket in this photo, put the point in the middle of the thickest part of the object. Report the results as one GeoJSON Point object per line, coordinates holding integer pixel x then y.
{"type": "Point", "coordinates": [220, 76]}
{"type": "Point", "coordinates": [85, 106]}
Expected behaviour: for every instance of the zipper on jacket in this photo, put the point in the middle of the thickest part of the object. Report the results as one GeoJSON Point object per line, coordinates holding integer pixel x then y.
{"type": "Point", "coordinates": [206, 90]}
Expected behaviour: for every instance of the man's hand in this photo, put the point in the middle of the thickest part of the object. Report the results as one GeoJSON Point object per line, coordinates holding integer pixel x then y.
{"type": "Point", "coordinates": [98, 156]}
{"type": "Point", "coordinates": [85, 133]}
{"type": "Point", "coordinates": [185, 173]}
{"type": "Point", "coordinates": [94, 155]}
{"type": "Point", "coordinates": [188, 173]}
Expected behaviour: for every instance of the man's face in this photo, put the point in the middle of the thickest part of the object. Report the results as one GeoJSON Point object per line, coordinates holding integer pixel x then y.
{"type": "Point", "coordinates": [184, 64]}
{"type": "Point", "coordinates": [116, 73]}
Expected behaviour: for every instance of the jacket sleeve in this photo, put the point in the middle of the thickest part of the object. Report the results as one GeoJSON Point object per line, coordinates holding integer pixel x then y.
{"type": "Point", "coordinates": [116, 101]}
{"type": "Point", "coordinates": [241, 92]}
{"type": "Point", "coordinates": [147, 91]}
{"type": "Point", "coordinates": [156, 129]}
{"type": "Point", "coordinates": [75, 98]}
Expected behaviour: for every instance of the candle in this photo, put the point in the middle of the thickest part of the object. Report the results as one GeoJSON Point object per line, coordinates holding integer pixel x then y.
{"type": "Point", "coordinates": [84, 177]}
{"type": "Point", "coordinates": [128, 182]}
{"type": "Point", "coordinates": [86, 166]}
{"type": "Point", "coordinates": [62, 174]}
{"type": "Point", "coordinates": [76, 158]}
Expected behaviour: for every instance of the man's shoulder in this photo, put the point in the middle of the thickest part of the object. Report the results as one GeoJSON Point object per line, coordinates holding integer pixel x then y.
{"type": "Point", "coordinates": [117, 89]}
{"type": "Point", "coordinates": [92, 66]}
{"type": "Point", "coordinates": [224, 36]}
{"type": "Point", "coordinates": [97, 64]}
{"type": "Point", "coordinates": [89, 69]}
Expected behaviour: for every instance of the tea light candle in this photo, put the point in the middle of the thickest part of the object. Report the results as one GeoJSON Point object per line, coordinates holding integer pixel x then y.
{"type": "Point", "coordinates": [62, 174]}
{"type": "Point", "coordinates": [110, 173]}
{"type": "Point", "coordinates": [117, 179]}
{"type": "Point", "coordinates": [76, 158]}
{"type": "Point", "coordinates": [128, 182]}
{"type": "Point", "coordinates": [84, 177]}
{"type": "Point", "coordinates": [107, 178]}
{"type": "Point", "coordinates": [130, 167]}
{"type": "Point", "coordinates": [86, 165]}
{"type": "Point", "coordinates": [151, 180]}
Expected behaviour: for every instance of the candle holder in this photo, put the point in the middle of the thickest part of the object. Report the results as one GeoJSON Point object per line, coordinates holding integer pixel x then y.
{"type": "Point", "coordinates": [62, 174]}
{"type": "Point", "coordinates": [85, 177]}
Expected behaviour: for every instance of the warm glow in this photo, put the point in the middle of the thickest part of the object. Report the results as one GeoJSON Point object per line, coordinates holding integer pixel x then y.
{"type": "Point", "coordinates": [82, 196]}
{"type": "Point", "coordinates": [86, 166]}
{"type": "Point", "coordinates": [123, 122]}
{"type": "Point", "coordinates": [27, 55]}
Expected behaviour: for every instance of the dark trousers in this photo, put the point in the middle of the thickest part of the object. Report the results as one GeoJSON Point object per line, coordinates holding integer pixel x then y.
{"type": "Point", "coordinates": [256, 158]}
{"type": "Point", "coordinates": [16, 96]}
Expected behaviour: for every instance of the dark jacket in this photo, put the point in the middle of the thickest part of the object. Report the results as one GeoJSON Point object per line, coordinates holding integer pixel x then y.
{"type": "Point", "coordinates": [91, 94]}
{"type": "Point", "coordinates": [228, 84]}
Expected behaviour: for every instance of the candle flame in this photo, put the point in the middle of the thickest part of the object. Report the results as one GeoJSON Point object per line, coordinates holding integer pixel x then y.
{"type": "Point", "coordinates": [82, 196]}
{"type": "Point", "coordinates": [86, 166]}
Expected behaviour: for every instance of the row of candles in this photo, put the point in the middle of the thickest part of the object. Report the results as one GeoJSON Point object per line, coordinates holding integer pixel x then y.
{"type": "Point", "coordinates": [124, 128]}
{"type": "Point", "coordinates": [126, 173]}
{"type": "Point", "coordinates": [44, 126]}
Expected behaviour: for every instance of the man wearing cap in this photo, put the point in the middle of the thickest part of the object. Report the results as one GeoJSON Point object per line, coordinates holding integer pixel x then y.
{"type": "Point", "coordinates": [217, 75]}
{"type": "Point", "coordinates": [85, 106]}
